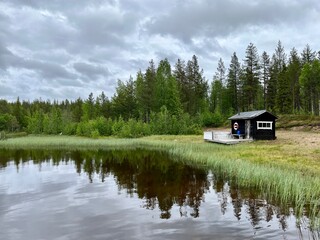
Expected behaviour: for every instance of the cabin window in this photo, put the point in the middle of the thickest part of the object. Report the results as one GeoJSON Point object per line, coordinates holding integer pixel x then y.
{"type": "Point", "coordinates": [264, 125]}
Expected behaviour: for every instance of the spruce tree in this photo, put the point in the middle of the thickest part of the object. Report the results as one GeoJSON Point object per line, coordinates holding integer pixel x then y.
{"type": "Point", "coordinates": [284, 95]}
{"type": "Point", "coordinates": [88, 108]}
{"type": "Point", "coordinates": [310, 87]}
{"type": "Point", "coordinates": [198, 87]}
{"type": "Point", "coordinates": [307, 55]}
{"type": "Point", "coordinates": [124, 100]}
{"type": "Point", "coordinates": [184, 86]}
{"type": "Point", "coordinates": [150, 82]}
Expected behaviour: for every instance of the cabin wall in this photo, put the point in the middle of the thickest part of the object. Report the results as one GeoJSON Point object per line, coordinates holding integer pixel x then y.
{"type": "Point", "coordinates": [264, 134]}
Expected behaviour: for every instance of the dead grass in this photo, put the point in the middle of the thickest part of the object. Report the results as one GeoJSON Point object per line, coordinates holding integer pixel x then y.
{"type": "Point", "coordinates": [292, 149]}
{"type": "Point", "coordinates": [296, 150]}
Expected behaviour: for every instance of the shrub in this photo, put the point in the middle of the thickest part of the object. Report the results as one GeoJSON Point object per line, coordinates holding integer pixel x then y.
{"type": "Point", "coordinates": [134, 129]}
{"type": "Point", "coordinates": [70, 128]}
{"type": "Point", "coordinates": [85, 128]}
{"type": "Point", "coordinates": [95, 134]}
{"type": "Point", "coordinates": [117, 126]}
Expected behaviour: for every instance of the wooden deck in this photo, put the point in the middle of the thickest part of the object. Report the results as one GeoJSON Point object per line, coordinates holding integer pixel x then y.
{"type": "Point", "coordinates": [228, 142]}
{"type": "Point", "coordinates": [224, 138]}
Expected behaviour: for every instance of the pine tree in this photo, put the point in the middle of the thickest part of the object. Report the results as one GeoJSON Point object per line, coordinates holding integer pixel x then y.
{"type": "Point", "coordinates": [221, 72]}
{"type": "Point", "coordinates": [218, 92]}
{"type": "Point", "coordinates": [216, 96]}
{"type": "Point", "coordinates": [250, 85]}
{"type": "Point", "coordinates": [233, 83]}
{"type": "Point", "coordinates": [294, 71]}
{"type": "Point", "coordinates": [265, 75]}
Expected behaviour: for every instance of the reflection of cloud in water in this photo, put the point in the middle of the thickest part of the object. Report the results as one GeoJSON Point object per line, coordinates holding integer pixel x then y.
{"type": "Point", "coordinates": [127, 194]}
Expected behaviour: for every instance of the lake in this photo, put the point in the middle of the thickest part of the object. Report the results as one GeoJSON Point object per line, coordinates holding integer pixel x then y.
{"type": "Point", "coordinates": [132, 194]}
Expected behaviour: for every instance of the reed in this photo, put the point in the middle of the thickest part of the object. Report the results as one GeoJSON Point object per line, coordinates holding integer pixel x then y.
{"type": "Point", "coordinates": [279, 181]}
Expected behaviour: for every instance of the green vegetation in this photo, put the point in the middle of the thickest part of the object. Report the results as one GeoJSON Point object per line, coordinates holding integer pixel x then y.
{"type": "Point", "coordinates": [162, 100]}
{"type": "Point", "coordinates": [307, 122]}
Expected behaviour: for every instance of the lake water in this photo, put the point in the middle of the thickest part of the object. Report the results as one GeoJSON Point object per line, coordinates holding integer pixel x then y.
{"type": "Point", "coordinates": [133, 194]}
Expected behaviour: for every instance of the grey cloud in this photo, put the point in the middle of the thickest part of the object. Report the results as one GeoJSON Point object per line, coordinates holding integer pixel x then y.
{"type": "Point", "coordinates": [206, 47]}
{"type": "Point", "coordinates": [105, 26]}
{"type": "Point", "coordinates": [6, 57]}
{"type": "Point", "coordinates": [171, 56]}
{"type": "Point", "coordinates": [58, 47]}
{"type": "Point", "coordinates": [5, 90]}
{"type": "Point", "coordinates": [47, 70]}
{"type": "Point", "coordinates": [220, 18]}
{"type": "Point", "coordinates": [91, 71]}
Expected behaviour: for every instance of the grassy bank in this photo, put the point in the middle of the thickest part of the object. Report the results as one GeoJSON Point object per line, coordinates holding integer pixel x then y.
{"type": "Point", "coordinates": [287, 169]}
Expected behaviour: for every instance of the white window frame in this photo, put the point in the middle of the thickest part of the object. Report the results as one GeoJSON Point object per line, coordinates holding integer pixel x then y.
{"type": "Point", "coordinates": [265, 125]}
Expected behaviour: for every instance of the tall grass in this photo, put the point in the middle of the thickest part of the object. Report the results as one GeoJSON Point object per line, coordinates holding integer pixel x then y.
{"type": "Point", "coordinates": [283, 184]}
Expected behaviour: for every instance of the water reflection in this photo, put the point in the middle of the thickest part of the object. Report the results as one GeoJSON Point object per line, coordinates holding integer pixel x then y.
{"type": "Point", "coordinates": [151, 175]}
{"type": "Point", "coordinates": [162, 183]}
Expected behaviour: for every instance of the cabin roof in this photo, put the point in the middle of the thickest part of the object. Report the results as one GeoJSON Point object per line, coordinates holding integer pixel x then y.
{"type": "Point", "coordinates": [249, 115]}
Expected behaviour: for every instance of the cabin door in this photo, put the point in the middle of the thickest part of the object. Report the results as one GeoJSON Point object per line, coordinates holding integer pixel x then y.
{"type": "Point", "coordinates": [247, 129]}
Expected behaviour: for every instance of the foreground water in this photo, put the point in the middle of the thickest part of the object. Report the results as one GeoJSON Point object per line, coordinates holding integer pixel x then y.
{"type": "Point", "coordinates": [130, 195]}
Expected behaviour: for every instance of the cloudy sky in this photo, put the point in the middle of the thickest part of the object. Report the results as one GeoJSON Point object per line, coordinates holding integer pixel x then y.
{"type": "Point", "coordinates": [54, 49]}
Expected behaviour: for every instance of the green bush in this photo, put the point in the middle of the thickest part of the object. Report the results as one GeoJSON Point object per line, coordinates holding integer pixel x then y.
{"type": "Point", "coordinates": [163, 123]}
{"type": "Point", "coordinates": [117, 126]}
{"type": "Point", "coordinates": [217, 119]}
{"type": "Point", "coordinates": [70, 128]}
{"type": "Point", "coordinates": [85, 128]}
{"type": "Point", "coordinates": [95, 134]}
{"type": "Point", "coordinates": [134, 129]}
{"type": "Point", "coordinates": [102, 126]}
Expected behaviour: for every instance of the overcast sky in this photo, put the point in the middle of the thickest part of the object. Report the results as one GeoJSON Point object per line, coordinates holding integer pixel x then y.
{"type": "Point", "coordinates": [52, 49]}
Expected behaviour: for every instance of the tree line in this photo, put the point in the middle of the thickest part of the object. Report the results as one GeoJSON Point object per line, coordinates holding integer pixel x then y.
{"type": "Point", "coordinates": [179, 100]}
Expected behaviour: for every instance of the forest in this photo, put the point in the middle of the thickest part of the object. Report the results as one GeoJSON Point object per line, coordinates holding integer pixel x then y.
{"type": "Point", "coordinates": [179, 100]}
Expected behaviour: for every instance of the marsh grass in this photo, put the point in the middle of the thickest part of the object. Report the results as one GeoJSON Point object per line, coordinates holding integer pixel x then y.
{"type": "Point", "coordinates": [262, 166]}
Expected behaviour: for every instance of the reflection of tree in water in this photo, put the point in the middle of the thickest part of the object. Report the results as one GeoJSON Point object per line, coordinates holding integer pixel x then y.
{"type": "Point", "coordinates": [250, 203]}
{"type": "Point", "coordinates": [159, 181]}
{"type": "Point", "coordinates": [156, 179]}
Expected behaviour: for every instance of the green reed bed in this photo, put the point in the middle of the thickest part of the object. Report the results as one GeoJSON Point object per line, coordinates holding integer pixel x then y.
{"type": "Point", "coordinates": [65, 142]}
{"type": "Point", "coordinates": [279, 183]}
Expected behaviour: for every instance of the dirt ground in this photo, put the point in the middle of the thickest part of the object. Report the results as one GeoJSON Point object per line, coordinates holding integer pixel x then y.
{"type": "Point", "coordinates": [302, 139]}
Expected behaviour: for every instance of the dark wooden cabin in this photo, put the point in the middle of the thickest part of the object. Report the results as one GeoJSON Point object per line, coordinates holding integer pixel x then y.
{"type": "Point", "coordinates": [257, 125]}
